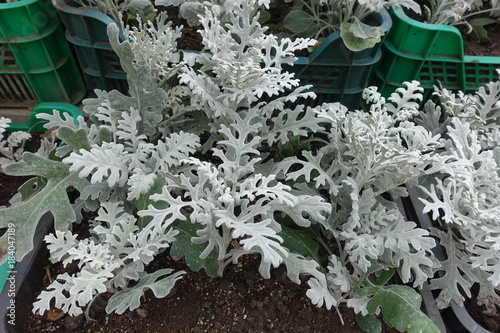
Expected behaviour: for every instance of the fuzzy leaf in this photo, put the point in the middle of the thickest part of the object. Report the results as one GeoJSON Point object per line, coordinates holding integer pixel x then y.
{"type": "Point", "coordinates": [311, 170]}
{"type": "Point", "coordinates": [255, 236]}
{"type": "Point", "coordinates": [52, 198]}
{"type": "Point", "coordinates": [145, 97]}
{"type": "Point", "coordinates": [458, 272]}
{"type": "Point", "coordinates": [130, 299]}
{"type": "Point", "coordinates": [319, 294]}
{"type": "Point", "coordinates": [174, 148]}
{"type": "Point", "coordinates": [299, 21]}
{"type": "Point", "coordinates": [135, 6]}
{"type": "Point", "coordinates": [430, 118]}
{"type": "Point", "coordinates": [59, 244]}
{"type": "Point", "coordinates": [300, 241]}
{"type": "Point", "coordinates": [87, 284]}
{"type": "Point", "coordinates": [358, 36]}
{"type": "Point", "coordinates": [143, 201]}
{"type": "Point", "coordinates": [481, 32]}
{"type": "Point", "coordinates": [369, 323]}
{"type": "Point", "coordinates": [58, 291]}
{"type": "Point", "coordinates": [78, 139]}
{"type": "Point", "coordinates": [294, 122]}
{"type": "Point", "coordinates": [400, 308]}
{"type": "Point", "coordinates": [414, 266]}
{"type": "Point", "coordinates": [310, 208]}
{"type": "Point", "coordinates": [169, 2]}
{"type": "Point", "coordinates": [406, 100]}
{"type": "Point", "coordinates": [115, 227]}
{"type": "Point", "coordinates": [58, 119]}
{"type": "Point", "coordinates": [104, 163]}
{"type": "Point", "coordinates": [183, 247]}
{"type": "Point", "coordinates": [487, 295]}
{"type": "Point", "coordinates": [297, 264]}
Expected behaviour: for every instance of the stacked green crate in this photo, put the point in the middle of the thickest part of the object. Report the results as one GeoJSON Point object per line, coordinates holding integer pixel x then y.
{"type": "Point", "coordinates": [432, 54]}
{"type": "Point", "coordinates": [36, 63]}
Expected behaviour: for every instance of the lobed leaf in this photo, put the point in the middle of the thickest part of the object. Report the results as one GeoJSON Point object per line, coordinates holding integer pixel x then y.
{"type": "Point", "coordinates": [183, 247]}
{"type": "Point", "coordinates": [400, 308]}
{"type": "Point", "coordinates": [53, 198]}
{"type": "Point", "coordinates": [130, 299]}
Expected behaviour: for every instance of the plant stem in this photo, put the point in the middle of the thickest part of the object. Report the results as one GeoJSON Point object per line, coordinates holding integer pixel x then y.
{"type": "Point", "coordinates": [480, 12]}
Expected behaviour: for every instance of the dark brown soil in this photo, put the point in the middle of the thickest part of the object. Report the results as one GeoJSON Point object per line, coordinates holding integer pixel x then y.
{"type": "Point", "coordinates": [489, 322]}
{"type": "Point", "coordinates": [241, 301]}
{"type": "Point", "coordinates": [472, 45]}
{"type": "Point", "coordinates": [191, 38]}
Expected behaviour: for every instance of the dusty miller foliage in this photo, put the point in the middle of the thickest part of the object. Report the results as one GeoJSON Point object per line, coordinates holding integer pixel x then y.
{"type": "Point", "coordinates": [115, 162]}
{"type": "Point", "coordinates": [192, 10]}
{"type": "Point", "coordinates": [368, 155]}
{"type": "Point", "coordinates": [459, 12]}
{"type": "Point", "coordinates": [11, 148]}
{"type": "Point", "coordinates": [464, 195]}
{"type": "Point", "coordinates": [316, 19]}
{"type": "Point", "coordinates": [136, 167]}
{"type": "Point", "coordinates": [184, 162]}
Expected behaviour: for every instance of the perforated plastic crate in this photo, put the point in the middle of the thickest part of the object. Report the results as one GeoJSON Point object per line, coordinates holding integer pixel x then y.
{"type": "Point", "coordinates": [86, 30]}
{"type": "Point", "coordinates": [36, 63]}
{"type": "Point", "coordinates": [431, 54]}
{"type": "Point", "coordinates": [14, 85]}
{"type": "Point", "coordinates": [337, 73]}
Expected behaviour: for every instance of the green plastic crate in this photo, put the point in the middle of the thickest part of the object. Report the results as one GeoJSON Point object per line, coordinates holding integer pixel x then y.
{"type": "Point", "coordinates": [432, 54]}
{"type": "Point", "coordinates": [25, 17]}
{"type": "Point", "coordinates": [36, 63]}
{"type": "Point", "coordinates": [34, 124]}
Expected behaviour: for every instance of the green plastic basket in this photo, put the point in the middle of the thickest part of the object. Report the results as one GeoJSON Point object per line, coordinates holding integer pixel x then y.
{"type": "Point", "coordinates": [36, 63]}
{"type": "Point", "coordinates": [432, 54]}
{"type": "Point", "coordinates": [35, 124]}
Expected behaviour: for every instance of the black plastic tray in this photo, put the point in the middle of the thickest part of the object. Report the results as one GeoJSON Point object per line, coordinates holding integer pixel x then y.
{"type": "Point", "coordinates": [29, 275]}
{"type": "Point", "coordinates": [429, 306]}
{"type": "Point", "coordinates": [456, 318]}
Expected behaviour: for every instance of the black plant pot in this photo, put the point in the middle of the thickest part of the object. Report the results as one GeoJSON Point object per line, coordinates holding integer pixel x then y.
{"type": "Point", "coordinates": [456, 318]}
{"type": "Point", "coordinates": [18, 294]}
